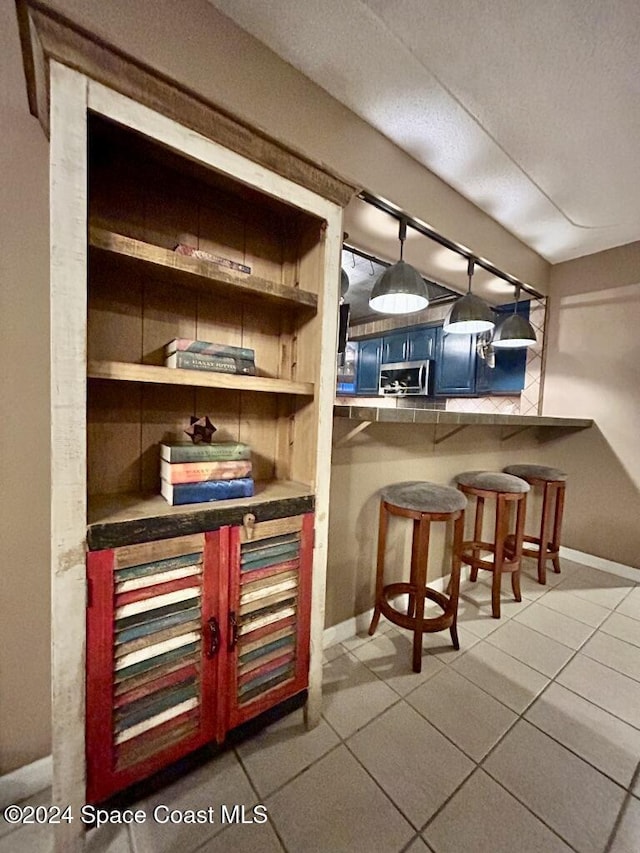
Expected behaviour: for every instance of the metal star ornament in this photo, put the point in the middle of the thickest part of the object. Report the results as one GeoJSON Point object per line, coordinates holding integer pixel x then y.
{"type": "Point", "coordinates": [201, 430]}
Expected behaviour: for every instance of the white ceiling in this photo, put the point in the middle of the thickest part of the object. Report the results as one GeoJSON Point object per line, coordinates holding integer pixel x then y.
{"type": "Point", "coordinates": [529, 109]}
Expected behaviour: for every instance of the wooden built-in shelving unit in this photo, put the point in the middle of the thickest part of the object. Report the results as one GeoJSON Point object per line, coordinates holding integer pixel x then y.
{"type": "Point", "coordinates": [143, 201]}
{"type": "Point", "coordinates": [138, 166]}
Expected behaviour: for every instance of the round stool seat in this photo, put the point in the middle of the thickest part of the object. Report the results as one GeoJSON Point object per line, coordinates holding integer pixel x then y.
{"type": "Point", "coordinates": [421, 496]}
{"type": "Point", "coordinates": [536, 472]}
{"type": "Point", "coordinates": [492, 481]}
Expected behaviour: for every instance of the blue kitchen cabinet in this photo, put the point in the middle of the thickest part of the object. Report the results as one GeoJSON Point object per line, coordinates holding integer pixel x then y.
{"type": "Point", "coordinates": [421, 344]}
{"type": "Point", "coordinates": [412, 344]}
{"type": "Point", "coordinates": [368, 372]}
{"type": "Point", "coordinates": [455, 374]}
{"type": "Point", "coordinates": [484, 373]}
{"type": "Point", "coordinates": [394, 347]}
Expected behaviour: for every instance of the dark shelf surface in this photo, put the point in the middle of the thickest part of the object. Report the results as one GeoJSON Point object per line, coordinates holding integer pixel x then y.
{"type": "Point", "coordinates": [115, 520]}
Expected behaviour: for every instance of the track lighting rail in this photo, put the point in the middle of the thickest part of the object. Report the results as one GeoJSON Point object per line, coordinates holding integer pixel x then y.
{"type": "Point", "coordinates": [426, 231]}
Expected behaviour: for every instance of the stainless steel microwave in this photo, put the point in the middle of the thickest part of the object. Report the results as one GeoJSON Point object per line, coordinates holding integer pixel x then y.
{"type": "Point", "coordinates": [404, 378]}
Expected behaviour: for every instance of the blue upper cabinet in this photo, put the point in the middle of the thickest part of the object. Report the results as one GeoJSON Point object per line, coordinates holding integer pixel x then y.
{"type": "Point", "coordinates": [409, 345]}
{"type": "Point", "coordinates": [394, 347]}
{"type": "Point", "coordinates": [455, 365]}
{"type": "Point", "coordinates": [368, 373]}
{"type": "Point", "coordinates": [421, 344]}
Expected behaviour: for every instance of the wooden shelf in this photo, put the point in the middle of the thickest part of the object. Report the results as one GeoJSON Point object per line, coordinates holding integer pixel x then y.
{"type": "Point", "coordinates": [126, 372]}
{"type": "Point", "coordinates": [115, 520]}
{"type": "Point", "coordinates": [194, 273]}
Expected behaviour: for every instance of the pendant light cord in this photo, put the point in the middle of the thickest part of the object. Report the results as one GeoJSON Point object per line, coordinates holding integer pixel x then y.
{"type": "Point", "coordinates": [470, 268]}
{"type": "Point", "coordinates": [402, 235]}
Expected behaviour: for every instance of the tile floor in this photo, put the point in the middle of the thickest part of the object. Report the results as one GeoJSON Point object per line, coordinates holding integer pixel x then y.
{"type": "Point", "coordinates": [527, 739]}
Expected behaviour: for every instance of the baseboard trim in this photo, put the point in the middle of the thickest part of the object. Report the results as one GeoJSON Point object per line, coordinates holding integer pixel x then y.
{"type": "Point", "coordinates": [600, 563]}
{"type": "Point", "coordinates": [25, 781]}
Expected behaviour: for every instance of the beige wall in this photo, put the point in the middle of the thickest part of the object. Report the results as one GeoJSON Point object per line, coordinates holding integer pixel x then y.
{"type": "Point", "coordinates": [24, 419]}
{"type": "Point", "coordinates": [593, 370]}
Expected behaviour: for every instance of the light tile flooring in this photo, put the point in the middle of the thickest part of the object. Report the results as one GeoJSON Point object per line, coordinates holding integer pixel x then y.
{"type": "Point", "coordinates": [527, 739]}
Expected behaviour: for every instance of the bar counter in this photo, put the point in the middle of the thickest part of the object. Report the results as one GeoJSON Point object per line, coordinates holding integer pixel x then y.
{"type": "Point", "coordinates": [409, 415]}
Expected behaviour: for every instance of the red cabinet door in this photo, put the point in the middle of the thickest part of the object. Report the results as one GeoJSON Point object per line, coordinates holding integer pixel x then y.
{"type": "Point", "coordinates": [154, 642]}
{"type": "Point", "coordinates": [269, 613]}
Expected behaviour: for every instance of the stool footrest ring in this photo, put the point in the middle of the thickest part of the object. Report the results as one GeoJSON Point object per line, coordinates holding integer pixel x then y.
{"type": "Point", "coordinates": [466, 555]}
{"type": "Point", "coordinates": [435, 623]}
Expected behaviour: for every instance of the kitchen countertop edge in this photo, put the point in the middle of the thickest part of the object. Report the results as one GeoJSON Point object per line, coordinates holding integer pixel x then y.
{"type": "Point", "coordinates": [435, 416]}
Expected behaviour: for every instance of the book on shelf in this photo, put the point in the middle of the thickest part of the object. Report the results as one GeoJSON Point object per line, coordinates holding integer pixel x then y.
{"type": "Point", "coordinates": [197, 472]}
{"type": "Point", "coordinates": [202, 255]}
{"type": "Point", "coordinates": [208, 348]}
{"type": "Point", "coordinates": [210, 490]}
{"type": "Point", "coordinates": [186, 451]}
{"type": "Point", "coordinates": [214, 363]}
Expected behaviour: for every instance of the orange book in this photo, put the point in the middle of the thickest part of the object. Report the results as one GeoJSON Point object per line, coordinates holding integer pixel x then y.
{"type": "Point", "coordinates": [198, 472]}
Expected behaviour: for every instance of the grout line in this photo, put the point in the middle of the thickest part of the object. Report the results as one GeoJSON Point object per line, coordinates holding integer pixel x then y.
{"type": "Point", "coordinates": [623, 810]}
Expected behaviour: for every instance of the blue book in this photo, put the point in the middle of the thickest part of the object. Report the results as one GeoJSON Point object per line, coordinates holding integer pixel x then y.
{"type": "Point", "coordinates": [208, 490]}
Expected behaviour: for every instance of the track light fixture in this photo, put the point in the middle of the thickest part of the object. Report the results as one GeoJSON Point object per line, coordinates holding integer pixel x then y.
{"type": "Point", "coordinates": [400, 289]}
{"type": "Point", "coordinates": [469, 315]}
{"type": "Point", "coordinates": [515, 331]}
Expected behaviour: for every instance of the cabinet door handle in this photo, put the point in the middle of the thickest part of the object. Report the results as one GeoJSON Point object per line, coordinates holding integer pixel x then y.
{"type": "Point", "coordinates": [233, 630]}
{"type": "Point", "coordinates": [214, 637]}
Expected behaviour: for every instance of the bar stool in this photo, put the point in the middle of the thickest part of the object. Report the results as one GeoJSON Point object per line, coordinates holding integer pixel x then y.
{"type": "Point", "coordinates": [423, 503]}
{"type": "Point", "coordinates": [507, 490]}
{"type": "Point", "coordinates": [553, 482]}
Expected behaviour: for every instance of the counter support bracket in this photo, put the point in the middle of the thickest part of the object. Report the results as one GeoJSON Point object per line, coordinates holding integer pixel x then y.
{"type": "Point", "coordinates": [351, 434]}
{"type": "Point", "coordinates": [515, 431]}
{"type": "Point", "coordinates": [440, 439]}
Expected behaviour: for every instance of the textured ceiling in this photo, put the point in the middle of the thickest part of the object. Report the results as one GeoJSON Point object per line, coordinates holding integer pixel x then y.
{"type": "Point", "coordinates": [530, 110]}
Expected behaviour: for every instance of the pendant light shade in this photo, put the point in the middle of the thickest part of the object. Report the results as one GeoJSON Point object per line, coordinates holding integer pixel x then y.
{"type": "Point", "coordinates": [344, 283]}
{"type": "Point", "coordinates": [400, 289]}
{"type": "Point", "coordinates": [515, 332]}
{"type": "Point", "coordinates": [469, 315]}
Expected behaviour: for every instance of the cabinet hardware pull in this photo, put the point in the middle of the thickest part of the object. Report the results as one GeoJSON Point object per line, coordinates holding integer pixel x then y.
{"type": "Point", "coordinates": [233, 630]}
{"type": "Point", "coordinates": [248, 522]}
{"type": "Point", "coordinates": [214, 637]}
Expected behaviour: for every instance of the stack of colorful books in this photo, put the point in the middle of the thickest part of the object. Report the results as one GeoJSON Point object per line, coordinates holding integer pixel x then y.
{"type": "Point", "coordinates": [198, 473]}
{"type": "Point", "coordinates": [202, 355]}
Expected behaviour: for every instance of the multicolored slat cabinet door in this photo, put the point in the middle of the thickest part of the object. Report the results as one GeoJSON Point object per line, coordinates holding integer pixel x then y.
{"type": "Point", "coordinates": [153, 656]}
{"type": "Point", "coordinates": [269, 614]}
{"type": "Point", "coordinates": [189, 637]}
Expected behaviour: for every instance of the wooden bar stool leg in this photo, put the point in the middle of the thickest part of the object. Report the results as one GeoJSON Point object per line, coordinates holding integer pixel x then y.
{"type": "Point", "coordinates": [515, 576]}
{"type": "Point", "coordinates": [382, 542]}
{"type": "Point", "coordinates": [453, 589]}
{"type": "Point", "coordinates": [557, 526]}
{"type": "Point", "coordinates": [477, 535]}
{"type": "Point", "coordinates": [544, 535]}
{"type": "Point", "coordinates": [420, 583]}
{"type": "Point", "coordinates": [415, 545]}
{"type": "Point", "coordinates": [498, 554]}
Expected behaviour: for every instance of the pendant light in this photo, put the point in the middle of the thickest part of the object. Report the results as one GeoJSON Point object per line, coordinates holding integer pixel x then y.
{"type": "Point", "coordinates": [344, 283]}
{"type": "Point", "coordinates": [400, 289]}
{"type": "Point", "coordinates": [515, 332]}
{"type": "Point", "coordinates": [469, 315]}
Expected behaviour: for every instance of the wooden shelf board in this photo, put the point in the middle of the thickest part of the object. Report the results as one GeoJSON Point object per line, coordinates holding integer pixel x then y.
{"type": "Point", "coordinates": [191, 272]}
{"type": "Point", "coordinates": [127, 372]}
{"type": "Point", "coordinates": [132, 518]}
